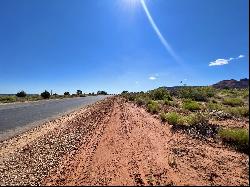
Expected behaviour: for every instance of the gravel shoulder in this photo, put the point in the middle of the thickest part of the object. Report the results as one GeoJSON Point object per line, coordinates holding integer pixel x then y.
{"type": "Point", "coordinates": [116, 143]}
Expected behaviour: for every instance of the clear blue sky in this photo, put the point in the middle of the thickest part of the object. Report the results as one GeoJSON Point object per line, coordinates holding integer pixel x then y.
{"type": "Point", "coordinates": [65, 45]}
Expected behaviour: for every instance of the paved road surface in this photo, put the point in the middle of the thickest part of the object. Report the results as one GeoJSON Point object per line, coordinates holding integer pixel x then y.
{"type": "Point", "coordinates": [17, 116]}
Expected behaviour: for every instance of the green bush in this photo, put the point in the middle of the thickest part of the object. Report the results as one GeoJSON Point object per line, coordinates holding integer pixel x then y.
{"type": "Point", "coordinates": [160, 94]}
{"type": "Point", "coordinates": [166, 102]}
{"type": "Point", "coordinates": [195, 119]}
{"type": "Point", "coordinates": [140, 101]}
{"type": "Point", "coordinates": [214, 101]}
{"type": "Point", "coordinates": [7, 99]}
{"type": "Point", "coordinates": [153, 107]}
{"type": "Point", "coordinates": [124, 92]}
{"type": "Point", "coordinates": [45, 94]}
{"type": "Point", "coordinates": [238, 111]}
{"type": "Point", "coordinates": [174, 103]}
{"type": "Point", "coordinates": [172, 118]}
{"type": "Point", "coordinates": [245, 93]}
{"type": "Point", "coordinates": [79, 92]}
{"type": "Point", "coordinates": [214, 106]}
{"type": "Point", "coordinates": [196, 93]}
{"type": "Point", "coordinates": [191, 105]}
{"type": "Point", "coordinates": [163, 117]}
{"type": "Point", "coordinates": [34, 98]}
{"type": "Point", "coordinates": [233, 101]}
{"type": "Point", "coordinates": [130, 97]}
{"type": "Point", "coordinates": [21, 94]}
{"type": "Point", "coordinates": [236, 137]}
{"type": "Point", "coordinates": [102, 93]}
{"type": "Point", "coordinates": [66, 94]}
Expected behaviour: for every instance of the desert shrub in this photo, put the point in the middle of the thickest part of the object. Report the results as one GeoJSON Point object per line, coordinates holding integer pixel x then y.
{"type": "Point", "coordinates": [140, 101]}
{"type": "Point", "coordinates": [7, 99]}
{"type": "Point", "coordinates": [102, 93]}
{"type": "Point", "coordinates": [21, 94]}
{"type": "Point", "coordinates": [243, 111]}
{"type": "Point", "coordinates": [195, 119]}
{"type": "Point", "coordinates": [236, 137]}
{"type": "Point", "coordinates": [174, 103]}
{"type": "Point", "coordinates": [214, 106]}
{"type": "Point", "coordinates": [160, 94]}
{"type": "Point", "coordinates": [45, 94]}
{"type": "Point", "coordinates": [66, 93]}
{"type": "Point", "coordinates": [79, 92]}
{"type": "Point", "coordinates": [233, 101]}
{"type": "Point", "coordinates": [245, 93]}
{"type": "Point", "coordinates": [153, 107]}
{"type": "Point", "coordinates": [209, 91]}
{"type": "Point", "coordinates": [172, 118]}
{"type": "Point", "coordinates": [34, 98]}
{"type": "Point", "coordinates": [124, 92]}
{"type": "Point", "coordinates": [191, 105]}
{"type": "Point", "coordinates": [163, 116]}
{"type": "Point", "coordinates": [214, 101]}
{"type": "Point", "coordinates": [238, 111]}
{"type": "Point", "coordinates": [196, 93]}
{"type": "Point", "coordinates": [166, 102]}
{"type": "Point", "coordinates": [129, 96]}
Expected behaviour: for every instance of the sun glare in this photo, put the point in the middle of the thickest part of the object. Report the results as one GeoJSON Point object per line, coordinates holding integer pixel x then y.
{"type": "Point", "coordinates": [131, 3]}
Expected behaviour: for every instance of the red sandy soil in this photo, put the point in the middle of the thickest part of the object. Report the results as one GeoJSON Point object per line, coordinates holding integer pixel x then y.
{"type": "Point", "coordinates": [131, 147]}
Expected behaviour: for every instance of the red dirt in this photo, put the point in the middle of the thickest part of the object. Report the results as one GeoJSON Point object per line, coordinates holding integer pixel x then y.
{"type": "Point", "coordinates": [131, 147]}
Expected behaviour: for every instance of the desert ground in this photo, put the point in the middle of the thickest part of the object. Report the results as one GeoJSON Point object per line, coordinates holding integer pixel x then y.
{"type": "Point", "coordinates": [116, 142]}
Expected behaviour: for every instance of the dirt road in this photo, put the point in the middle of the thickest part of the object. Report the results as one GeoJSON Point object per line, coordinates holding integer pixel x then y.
{"type": "Point", "coordinates": [117, 143]}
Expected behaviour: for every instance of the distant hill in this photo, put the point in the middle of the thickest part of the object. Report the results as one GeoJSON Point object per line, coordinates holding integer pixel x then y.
{"type": "Point", "coordinates": [242, 83]}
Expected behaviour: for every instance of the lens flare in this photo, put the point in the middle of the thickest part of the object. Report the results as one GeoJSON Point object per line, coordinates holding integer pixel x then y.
{"type": "Point", "coordinates": [160, 36]}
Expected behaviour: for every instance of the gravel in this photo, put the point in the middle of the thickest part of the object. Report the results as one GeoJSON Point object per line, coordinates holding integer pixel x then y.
{"type": "Point", "coordinates": [29, 164]}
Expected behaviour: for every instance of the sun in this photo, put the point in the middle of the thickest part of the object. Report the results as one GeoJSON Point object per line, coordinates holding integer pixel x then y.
{"type": "Point", "coordinates": [131, 3]}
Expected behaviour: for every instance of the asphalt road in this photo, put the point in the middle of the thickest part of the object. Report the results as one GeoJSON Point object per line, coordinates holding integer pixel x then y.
{"type": "Point", "coordinates": [17, 116]}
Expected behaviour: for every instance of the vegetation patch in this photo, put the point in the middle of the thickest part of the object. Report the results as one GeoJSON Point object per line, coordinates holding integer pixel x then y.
{"type": "Point", "coordinates": [141, 101]}
{"type": "Point", "coordinates": [239, 138]}
{"type": "Point", "coordinates": [197, 94]}
{"type": "Point", "coordinates": [238, 111]}
{"type": "Point", "coordinates": [233, 101]}
{"type": "Point", "coordinates": [195, 119]}
{"type": "Point", "coordinates": [160, 94]}
{"type": "Point", "coordinates": [153, 107]}
{"type": "Point", "coordinates": [45, 94]}
{"type": "Point", "coordinates": [191, 105]}
{"type": "Point", "coordinates": [214, 106]}
{"type": "Point", "coordinates": [21, 94]}
{"type": "Point", "coordinates": [195, 124]}
{"type": "Point", "coordinates": [7, 99]}
{"type": "Point", "coordinates": [172, 118]}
